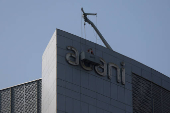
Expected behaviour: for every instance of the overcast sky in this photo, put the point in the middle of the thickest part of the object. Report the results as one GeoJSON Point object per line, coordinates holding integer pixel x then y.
{"type": "Point", "coordinates": [139, 29]}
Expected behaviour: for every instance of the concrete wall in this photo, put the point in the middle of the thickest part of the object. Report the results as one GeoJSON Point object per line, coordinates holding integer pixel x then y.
{"type": "Point", "coordinates": [49, 77]}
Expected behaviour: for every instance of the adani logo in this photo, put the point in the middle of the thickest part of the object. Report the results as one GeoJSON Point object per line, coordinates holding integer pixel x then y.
{"type": "Point", "coordinates": [89, 61]}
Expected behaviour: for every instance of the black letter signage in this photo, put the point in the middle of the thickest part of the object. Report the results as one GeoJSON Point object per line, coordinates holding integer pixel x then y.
{"type": "Point", "coordinates": [101, 69]}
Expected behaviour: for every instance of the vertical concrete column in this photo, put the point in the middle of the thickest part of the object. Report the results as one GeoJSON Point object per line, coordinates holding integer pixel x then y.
{"type": "Point", "coordinates": [49, 77]}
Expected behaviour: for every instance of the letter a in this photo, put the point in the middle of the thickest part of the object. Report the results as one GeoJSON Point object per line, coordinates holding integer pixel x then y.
{"type": "Point", "coordinates": [75, 55]}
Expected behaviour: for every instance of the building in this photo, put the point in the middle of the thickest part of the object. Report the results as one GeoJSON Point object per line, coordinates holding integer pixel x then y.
{"type": "Point", "coordinates": [74, 82]}
{"type": "Point", "coordinates": [23, 98]}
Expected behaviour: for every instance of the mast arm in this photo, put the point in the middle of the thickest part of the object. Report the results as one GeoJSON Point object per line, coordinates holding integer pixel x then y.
{"type": "Point", "coordinates": [95, 28]}
{"type": "Point", "coordinates": [100, 35]}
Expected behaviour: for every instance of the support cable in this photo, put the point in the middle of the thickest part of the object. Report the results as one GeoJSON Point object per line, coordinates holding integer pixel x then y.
{"type": "Point", "coordinates": [94, 35]}
{"type": "Point", "coordinates": [81, 26]}
{"type": "Point", "coordinates": [96, 26]}
{"type": "Point", "coordinates": [84, 30]}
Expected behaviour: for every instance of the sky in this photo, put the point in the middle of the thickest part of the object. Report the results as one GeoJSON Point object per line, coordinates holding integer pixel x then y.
{"type": "Point", "coordinates": [139, 29]}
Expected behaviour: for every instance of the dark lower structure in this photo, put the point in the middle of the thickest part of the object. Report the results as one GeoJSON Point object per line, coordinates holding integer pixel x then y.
{"type": "Point", "coordinates": [149, 97]}
{"type": "Point", "coordinates": [102, 82]}
{"type": "Point", "coordinates": [23, 98]}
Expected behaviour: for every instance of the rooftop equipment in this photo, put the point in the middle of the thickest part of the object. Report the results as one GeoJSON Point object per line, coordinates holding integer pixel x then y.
{"type": "Point", "coordinates": [95, 28]}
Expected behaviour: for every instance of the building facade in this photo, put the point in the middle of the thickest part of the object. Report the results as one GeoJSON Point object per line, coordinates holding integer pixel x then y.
{"type": "Point", "coordinates": [75, 80]}
{"type": "Point", "coordinates": [23, 98]}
